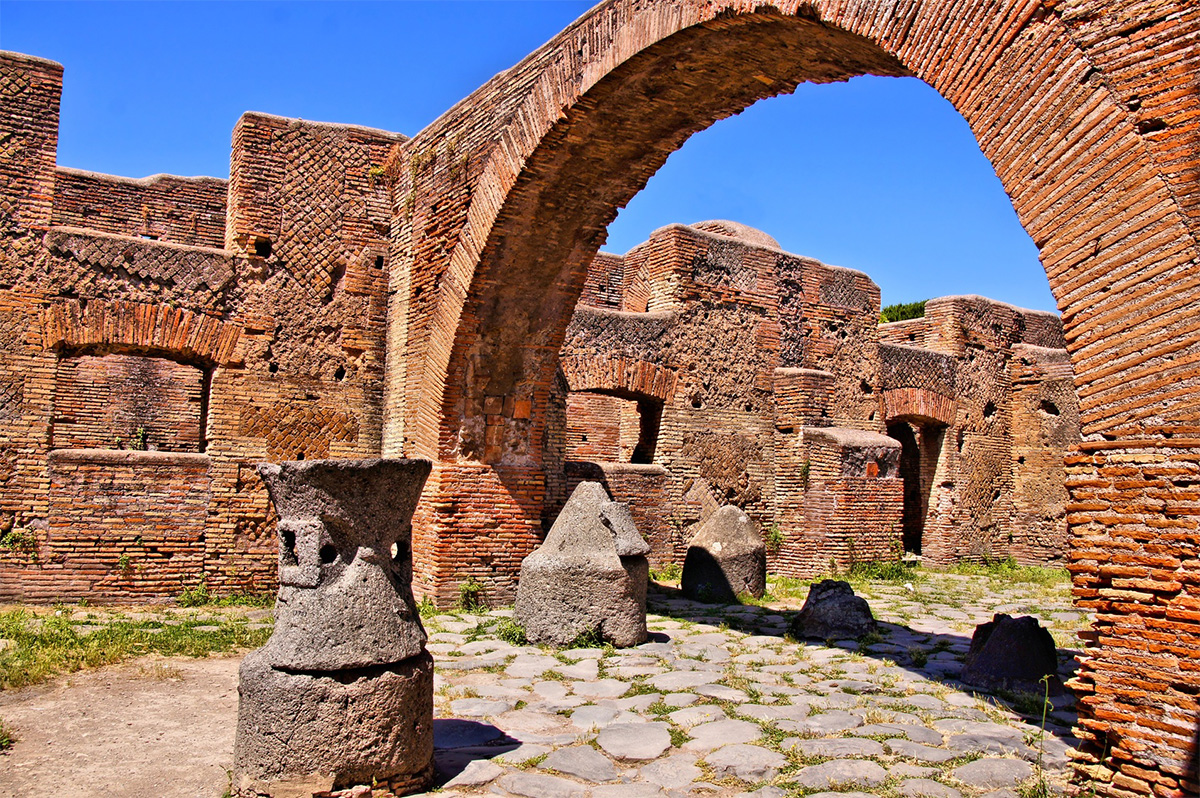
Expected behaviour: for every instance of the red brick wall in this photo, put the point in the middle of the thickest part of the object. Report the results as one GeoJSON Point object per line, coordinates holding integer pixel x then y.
{"type": "Point", "coordinates": [118, 524]}
{"type": "Point", "coordinates": [142, 402]}
{"type": "Point", "coordinates": [182, 210]}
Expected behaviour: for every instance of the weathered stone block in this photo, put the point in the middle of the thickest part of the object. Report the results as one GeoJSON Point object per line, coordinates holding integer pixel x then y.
{"type": "Point", "coordinates": [300, 733]}
{"type": "Point", "coordinates": [1012, 654]}
{"type": "Point", "coordinates": [589, 577]}
{"type": "Point", "coordinates": [726, 558]}
{"type": "Point", "coordinates": [832, 612]}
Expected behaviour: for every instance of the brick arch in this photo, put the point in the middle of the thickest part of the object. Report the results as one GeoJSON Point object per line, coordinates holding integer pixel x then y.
{"type": "Point", "coordinates": [1087, 111]}
{"type": "Point", "coordinates": [919, 404]}
{"type": "Point", "coordinates": [502, 232]}
{"type": "Point", "coordinates": [633, 378]}
{"type": "Point", "coordinates": [139, 328]}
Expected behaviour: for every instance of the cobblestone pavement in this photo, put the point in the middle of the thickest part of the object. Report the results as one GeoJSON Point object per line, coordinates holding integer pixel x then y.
{"type": "Point", "coordinates": [719, 703]}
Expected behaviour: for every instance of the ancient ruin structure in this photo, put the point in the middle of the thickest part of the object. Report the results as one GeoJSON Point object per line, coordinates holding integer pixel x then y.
{"type": "Point", "coordinates": [461, 256]}
{"type": "Point", "coordinates": [342, 693]}
{"type": "Point", "coordinates": [707, 366]}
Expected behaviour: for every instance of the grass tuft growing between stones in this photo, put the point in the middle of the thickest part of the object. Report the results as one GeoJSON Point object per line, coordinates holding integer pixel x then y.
{"type": "Point", "coordinates": [50, 645]}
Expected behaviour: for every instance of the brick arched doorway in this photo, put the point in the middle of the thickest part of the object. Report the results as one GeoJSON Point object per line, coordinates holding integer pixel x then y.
{"type": "Point", "coordinates": [1082, 107]}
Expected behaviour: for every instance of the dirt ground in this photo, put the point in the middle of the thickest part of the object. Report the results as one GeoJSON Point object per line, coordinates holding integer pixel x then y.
{"type": "Point", "coordinates": [151, 727]}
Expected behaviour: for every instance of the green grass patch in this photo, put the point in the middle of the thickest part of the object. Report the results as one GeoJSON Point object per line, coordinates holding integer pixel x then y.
{"type": "Point", "coordinates": [200, 596]}
{"type": "Point", "coordinates": [44, 650]}
{"type": "Point", "coordinates": [1008, 570]}
{"type": "Point", "coordinates": [7, 738]}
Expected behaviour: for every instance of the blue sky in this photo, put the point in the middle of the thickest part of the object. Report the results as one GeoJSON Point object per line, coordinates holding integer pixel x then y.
{"type": "Point", "coordinates": [877, 174]}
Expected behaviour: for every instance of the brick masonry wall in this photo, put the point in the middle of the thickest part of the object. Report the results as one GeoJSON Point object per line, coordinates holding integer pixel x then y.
{"type": "Point", "coordinates": [118, 524]}
{"type": "Point", "coordinates": [181, 210]}
{"type": "Point", "coordinates": [248, 354]}
{"type": "Point", "coordinates": [123, 401]}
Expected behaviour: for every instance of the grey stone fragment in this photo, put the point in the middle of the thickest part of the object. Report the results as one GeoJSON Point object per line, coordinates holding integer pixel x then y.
{"type": "Point", "coordinates": [338, 730]}
{"type": "Point", "coordinates": [904, 770]}
{"type": "Point", "coordinates": [522, 754]}
{"type": "Point", "coordinates": [635, 790]}
{"type": "Point", "coordinates": [576, 583]}
{"type": "Point", "coordinates": [601, 688]}
{"type": "Point", "coordinates": [992, 773]}
{"type": "Point", "coordinates": [746, 762]}
{"type": "Point", "coordinates": [693, 716]}
{"type": "Point", "coordinates": [629, 542]}
{"type": "Point", "coordinates": [832, 611]}
{"type": "Point", "coordinates": [725, 558]}
{"type": "Point", "coordinates": [919, 734]}
{"type": "Point", "coordinates": [478, 707]}
{"type": "Point", "coordinates": [581, 761]}
{"type": "Point", "coordinates": [1012, 654]}
{"type": "Point", "coordinates": [769, 791]}
{"type": "Point", "coordinates": [538, 785]}
{"type": "Point", "coordinates": [825, 723]}
{"type": "Point", "coordinates": [635, 741]}
{"type": "Point", "coordinates": [683, 680]}
{"type": "Point", "coordinates": [708, 736]}
{"type": "Point", "coordinates": [926, 788]}
{"type": "Point", "coordinates": [839, 747]}
{"type": "Point", "coordinates": [677, 770]}
{"type": "Point", "coordinates": [841, 772]}
{"type": "Point", "coordinates": [345, 572]}
{"type": "Point", "coordinates": [722, 693]}
{"type": "Point", "coordinates": [476, 774]}
{"type": "Point", "coordinates": [919, 752]}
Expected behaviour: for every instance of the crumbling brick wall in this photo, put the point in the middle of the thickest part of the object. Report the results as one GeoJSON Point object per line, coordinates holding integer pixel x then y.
{"type": "Point", "coordinates": [181, 210]}
{"type": "Point", "coordinates": [766, 348]}
{"type": "Point", "coordinates": [272, 348]}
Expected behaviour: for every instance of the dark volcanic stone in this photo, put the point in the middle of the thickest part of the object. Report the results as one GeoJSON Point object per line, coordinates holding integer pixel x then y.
{"type": "Point", "coordinates": [832, 612]}
{"type": "Point", "coordinates": [578, 583]}
{"type": "Point", "coordinates": [726, 558]}
{"type": "Point", "coordinates": [1012, 654]}
{"type": "Point", "coordinates": [305, 731]}
{"type": "Point", "coordinates": [345, 563]}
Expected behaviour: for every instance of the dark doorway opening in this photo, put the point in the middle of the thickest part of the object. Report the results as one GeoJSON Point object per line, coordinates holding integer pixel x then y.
{"type": "Point", "coordinates": [920, 447]}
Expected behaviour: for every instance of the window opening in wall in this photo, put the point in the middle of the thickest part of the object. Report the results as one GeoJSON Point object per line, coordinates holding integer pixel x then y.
{"type": "Point", "coordinates": [262, 247]}
{"type": "Point", "coordinates": [607, 427]}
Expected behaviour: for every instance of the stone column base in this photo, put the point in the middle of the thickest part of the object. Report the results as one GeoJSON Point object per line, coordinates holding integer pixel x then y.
{"type": "Point", "coordinates": [305, 733]}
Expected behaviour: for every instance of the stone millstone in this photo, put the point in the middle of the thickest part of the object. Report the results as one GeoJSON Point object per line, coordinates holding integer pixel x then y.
{"type": "Point", "coordinates": [725, 559]}
{"type": "Point", "coordinates": [1012, 654]}
{"type": "Point", "coordinates": [342, 693]}
{"type": "Point", "coordinates": [832, 612]}
{"type": "Point", "coordinates": [301, 733]}
{"type": "Point", "coordinates": [589, 576]}
{"type": "Point", "coordinates": [345, 571]}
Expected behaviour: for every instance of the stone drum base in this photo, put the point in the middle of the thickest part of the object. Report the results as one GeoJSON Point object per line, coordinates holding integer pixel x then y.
{"type": "Point", "coordinates": [305, 733]}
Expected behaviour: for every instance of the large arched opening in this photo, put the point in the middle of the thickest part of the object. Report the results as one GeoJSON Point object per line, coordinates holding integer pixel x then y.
{"type": "Point", "coordinates": [502, 203]}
